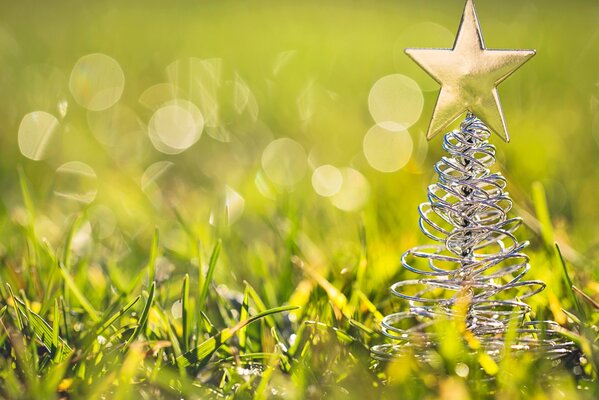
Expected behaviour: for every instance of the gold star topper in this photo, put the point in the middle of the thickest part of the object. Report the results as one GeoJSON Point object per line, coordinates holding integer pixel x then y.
{"type": "Point", "coordinates": [469, 74]}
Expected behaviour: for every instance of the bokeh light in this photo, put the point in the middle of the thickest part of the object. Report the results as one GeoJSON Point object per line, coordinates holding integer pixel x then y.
{"type": "Point", "coordinates": [198, 80]}
{"type": "Point", "coordinates": [229, 210]}
{"type": "Point", "coordinates": [395, 102]}
{"type": "Point", "coordinates": [175, 127]}
{"type": "Point", "coordinates": [354, 191]}
{"type": "Point", "coordinates": [111, 125]}
{"type": "Point", "coordinates": [386, 150]}
{"type": "Point", "coordinates": [151, 177]}
{"type": "Point", "coordinates": [327, 180]}
{"type": "Point", "coordinates": [103, 221]}
{"type": "Point", "coordinates": [76, 181]}
{"type": "Point", "coordinates": [284, 161]}
{"type": "Point", "coordinates": [157, 95]}
{"type": "Point", "coordinates": [234, 204]}
{"type": "Point", "coordinates": [97, 82]}
{"type": "Point", "coordinates": [35, 131]}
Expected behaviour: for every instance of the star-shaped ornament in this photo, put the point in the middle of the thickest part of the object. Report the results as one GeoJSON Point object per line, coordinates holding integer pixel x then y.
{"type": "Point", "coordinates": [469, 74]}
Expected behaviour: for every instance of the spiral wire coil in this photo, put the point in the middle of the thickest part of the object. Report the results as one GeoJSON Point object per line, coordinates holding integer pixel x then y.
{"type": "Point", "coordinates": [480, 261]}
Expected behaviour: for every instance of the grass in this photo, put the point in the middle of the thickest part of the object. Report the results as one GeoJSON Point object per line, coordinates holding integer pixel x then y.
{"type": "Point", "coordinates": [90, 341]}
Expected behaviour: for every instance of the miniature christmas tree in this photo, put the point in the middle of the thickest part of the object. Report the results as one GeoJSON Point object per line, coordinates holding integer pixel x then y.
{"type": "Point", "coordinates": [479, 263]}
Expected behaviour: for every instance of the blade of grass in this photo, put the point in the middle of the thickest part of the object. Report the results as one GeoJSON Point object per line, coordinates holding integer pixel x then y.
{"type": "Point", "coordinates": [342, 336]}
{"type": "Point", "coordinates": [78, 294]}
{"type": "Point", "coordinates": [260, 305]}
{"type": "Point", "coordinates": [203, 352]}
{"type": "Point", "coordinates": [569, 284]}
{"type": "Point", "coordinates": [69, 239]}
{"type": "Point", "coordinates": [55, 324]}
{"type": "Point", "coordinates": [209, 274]}
{"type": "Point", "coordinates": [143, 318]}
{"type": "Point", "coordinates": [243, 315]}
{"type": "Point", "coordinates": [586, 297]}
{"type": "Point", "coordinates": [207, 324]}
{"type": "Point", "coordinates": [63, 309]}
{"type": "Point", "coordinates": [185, 312]}
{"type": "Point", "coordinates": [59, 349]}
{"type": "Point", "coordinates": [20, 324]}
{"type": "Point", "coordinates": [117, 315]}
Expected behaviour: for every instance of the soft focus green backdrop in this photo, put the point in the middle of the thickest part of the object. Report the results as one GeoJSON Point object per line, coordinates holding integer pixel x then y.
{"type": "Point", "coordinates": [261, 71]}
{"type": "Point", "coordinates": [310, 66]}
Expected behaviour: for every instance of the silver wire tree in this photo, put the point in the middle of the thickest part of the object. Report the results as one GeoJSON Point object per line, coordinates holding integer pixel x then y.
{"type": "Point", "coordinates": [480, 262]}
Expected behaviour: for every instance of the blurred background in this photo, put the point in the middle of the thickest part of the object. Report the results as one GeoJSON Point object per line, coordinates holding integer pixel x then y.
{"type": "Point", "coordinates": [256, 122]}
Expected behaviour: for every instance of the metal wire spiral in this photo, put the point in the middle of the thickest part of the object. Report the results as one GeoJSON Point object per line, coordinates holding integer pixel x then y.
{"type": "Point", "coordinates": [479, 261]}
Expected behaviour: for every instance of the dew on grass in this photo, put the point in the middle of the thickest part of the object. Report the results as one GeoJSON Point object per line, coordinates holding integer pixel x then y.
{"type": "Point", "coordinates": [76, 181]}
{"type": "Point", "coordinates": [395, 102]}
{"type": "Point", "coordinates": [354, 191]}
{"type": "Point", "coordinates": [111, 125]}
{"type": "Point", "coordinates": [386, 150]}
{"type": "Point", "coordinates": [164, 269]}
{"type": "Point", "coordinates": [177, 309]}
{"type": "Point", "coordinates": [97, 81]}
{"type": "Point", "coordinates": [327, 180]}
{"type": "Point", "coordinates": [175, 127]}
{"type": "Point", "coordinates": [462, 370]}
{"type": "Point", "coordinates": [284, 161]}
{"type": "Point", "coordinates": [35, 131]}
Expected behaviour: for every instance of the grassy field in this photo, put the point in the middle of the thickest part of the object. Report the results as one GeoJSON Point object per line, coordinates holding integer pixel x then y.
{"type": "Point", "coordinates": [167, 229]}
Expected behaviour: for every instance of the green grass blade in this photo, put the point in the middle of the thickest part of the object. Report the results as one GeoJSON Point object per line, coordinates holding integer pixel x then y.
{"type": "Point", "coordinates": [243, 315]}
{"type": "Point", "coordinates": [117, 315]}
{"type": "Point", "coordinates": [185, 312]}
{"type": "Point", "coordinates": [207, 324]}
{"type": "Point", "coordinates": [59, 349]}
{"type": "Point", "coordinates": [153, 255]}
{"type": "Point", "coordinates": [209, 274]}
{"type": "Point", "coordinates": [586, 297]}
{"type": "Point", "coordinates": [20, 324]}
{"type": "Point", "coordinates": [55, 324]}
{"type": "Point", "coordinates": [341, 335]}
{"type": "Point", "coordinates": [69, 239]}
{"type": "Point", "coordinates": [203, 352]}
{"type": "Point", "coordinates": [143, 318]}
{"type": "Point", "coordinates": [78, 294]}
{"type": "Point", "coordinates": [569, 284]}
{"type": "Point", "coordinates": [260, 305]}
